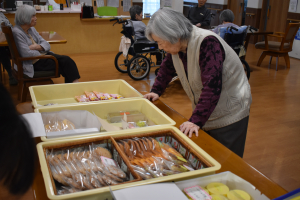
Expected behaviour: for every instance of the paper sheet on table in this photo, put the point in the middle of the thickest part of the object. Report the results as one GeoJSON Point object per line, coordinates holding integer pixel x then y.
{"type": "Point", "coordinates": [100, 3]}
{"type": "Point", "coordinates": [113, 3]}
{"type": "Point", "coordinates": [126, 5]}
{"type": "Point", "coordinates": [35, 123]}
{"type": "Point", "coordinates": [166, 191]}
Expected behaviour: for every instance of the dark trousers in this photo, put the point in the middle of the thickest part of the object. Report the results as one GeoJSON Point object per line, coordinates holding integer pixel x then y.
{"type": "Point", "coordinates": [4, 59]}
{"type": "Point", "coordinates": [232, 136]}
{"type": "Point", "coordinates": [67, 67]}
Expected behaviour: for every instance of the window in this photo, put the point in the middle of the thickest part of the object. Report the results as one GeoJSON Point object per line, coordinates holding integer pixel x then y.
{"type": "Point", "coordinates": [150, 6]}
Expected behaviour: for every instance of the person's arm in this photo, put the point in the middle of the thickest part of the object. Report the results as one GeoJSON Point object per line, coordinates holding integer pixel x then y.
{"type": "Point", "coordinates": [212, 56]}
{"type": "Point", "coordinates": [41, 41]}
{"type": "Point", "coordinates": [22, 46]}
{"type": "Point", "coordinates": [165, 74]}
{"type": "Point", "coordinates": [207, 18]}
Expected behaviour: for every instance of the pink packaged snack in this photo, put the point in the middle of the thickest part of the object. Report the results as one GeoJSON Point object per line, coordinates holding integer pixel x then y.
{"type": "Point", "coordinates": [108, 96]}
{"type": "Point", "coordinates": [116, 96]}
{"type": "Point", "coordinates": [100, 95]}
{"type": "Point", "coordinates": [91, 96]}
{"type": "Point", "coordinates": [82, 98]}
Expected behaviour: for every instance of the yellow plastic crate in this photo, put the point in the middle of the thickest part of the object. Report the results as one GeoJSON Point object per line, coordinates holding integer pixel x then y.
{"type": "Point", "coordinates": [102, 109]}
{"type": "Point", "coordinates": [103, 193]}
{"type": "Point", "coordinates": [65, 93]}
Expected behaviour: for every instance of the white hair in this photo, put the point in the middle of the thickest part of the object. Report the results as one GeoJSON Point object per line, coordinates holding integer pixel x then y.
{"type": "Point", "coordinates": [24, 14]}
{"type": "Point", "coordinates": [169, 25]}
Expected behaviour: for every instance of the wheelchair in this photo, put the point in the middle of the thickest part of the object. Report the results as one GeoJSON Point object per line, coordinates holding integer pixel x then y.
{"type": "Point", "coordinates": [138, 61]}
{"type": "Point", "coordinates": [235, 38]}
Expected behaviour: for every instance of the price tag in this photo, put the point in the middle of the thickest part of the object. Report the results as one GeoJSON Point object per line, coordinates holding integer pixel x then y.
{"type": "Point", "coordinates": [197, 193]}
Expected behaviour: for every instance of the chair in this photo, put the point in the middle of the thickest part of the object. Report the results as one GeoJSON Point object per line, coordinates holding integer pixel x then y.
{"type": "Point", "coordinates": [39, 76]}
{"type": "Point", "coordinates": [278, 49]}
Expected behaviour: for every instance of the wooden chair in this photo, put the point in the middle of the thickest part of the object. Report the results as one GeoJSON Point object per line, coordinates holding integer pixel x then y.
{"type": "Point", "coordinates": [39, 76]}
{"type": "Point", "coordinates": [281, 48]}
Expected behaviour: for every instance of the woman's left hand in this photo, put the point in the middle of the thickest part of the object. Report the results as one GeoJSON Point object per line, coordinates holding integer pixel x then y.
{"type": "Point", "coordinates": [189, 128]}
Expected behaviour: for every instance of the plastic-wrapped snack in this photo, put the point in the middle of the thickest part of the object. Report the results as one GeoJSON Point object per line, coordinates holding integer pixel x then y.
{"type": "Point", "coordinates": [116, 96]}
{"type": "Point", "coordinates": [80, 168]}
{"type": "Point", "coordinates": [93, 180]}
{"type": "Point", "coordinates": [67, 190]}
{"type": "Point", "coordinates": [174, 167]}
{"type": "Point", "coordinates": [71, 182]}
{"type": "Point", "coordinates": [56, 175]}
{"type": "Point", "coordinates": [170, 149]}
{"type": "Point", "coordinates": [142, 172]}
{"type": "Point", "coordinates": [107, 96]}
{"type": "Point", "coordinates": [131, 125]}
{"type": "Point", "coordinates": [78, 178]}
{"type": "Point", "coordinates": [53, 159]}
{"type": "Point", "coordinates": [142, 123]}
{"type": "Point", "coordinates": [87, 182]}
{"type": "Point", "coordinates": [92, 165]}
{"type": "Point", "coordinates": [100, 95]}
{"type": "Point", "coordinates": [47, 128]}
{"type": "Point", "coordinates": [100, 151]}
{"type": "Point", "coordinates": [108, 180]}
{"type": "Point", "coordinates": [154, 173]}
{"type": "Point", "coordinates": [169, 172]}
{"type": "Point", "coordinates": [127, 150]}
{"type": "Point", "coordinates": [63, 191]}
{"type": "Point", "coordinates": [100, 179]}
{"type": "Point", "coordinates": [116, 171]}
{"type": "Point", "coordinates": [133, 147]}
{"type": "Point", "coordinates": [82, 98]}
{"type": "Point", "coordinates": [98, 164]}
{"type": "Point", "coordinates": [121, 147]}
{"type": "Point", "coordinates": [91, 96]}
{"type": "Point", "coordinates": [67, 125]}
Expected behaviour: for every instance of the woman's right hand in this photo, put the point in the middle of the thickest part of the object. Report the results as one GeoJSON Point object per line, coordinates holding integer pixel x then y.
{"type": "Point", "coordinates": [151, 96]}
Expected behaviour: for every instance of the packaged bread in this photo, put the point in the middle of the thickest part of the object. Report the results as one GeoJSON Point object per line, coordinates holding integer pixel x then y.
{"type": "Point", "coordinates": [100, 151]}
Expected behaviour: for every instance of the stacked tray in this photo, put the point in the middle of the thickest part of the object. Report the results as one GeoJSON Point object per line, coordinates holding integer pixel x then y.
{"type": "Point", "coordinates": [63, 94]}
{"type": "Point", "coordinates": [202, 163]}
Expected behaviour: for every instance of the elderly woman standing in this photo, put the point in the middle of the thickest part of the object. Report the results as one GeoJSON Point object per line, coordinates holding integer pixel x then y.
{"type": "Point", "coordinates": [211, 74]}
{"type": "Point", "coordinates": [226, 17]}
{"type": "Point", "coordinates": [30, 43]}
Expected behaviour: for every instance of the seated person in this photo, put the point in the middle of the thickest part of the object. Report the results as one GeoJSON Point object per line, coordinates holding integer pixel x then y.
{"type": "Point", "coordinates": [17, 150]}
{"type": "Point", "coordinates": [136, 14]}
{"type": "Point", "coordinates": [4, 52]}
{"type": "Point", "coordinates": [30, 43]}
{"type": "Point", "coordinates": [226, 17]}
{"type": "Point", "coordinates": [200, 15]}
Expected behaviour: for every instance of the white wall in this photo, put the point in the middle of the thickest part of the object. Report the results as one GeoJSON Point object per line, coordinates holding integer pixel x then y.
{"type": "Point", "coordinates": [140, 1]}
{"type": "Point", "coordinates": [176, 5]}
{"type": "Point", "coordinates": [254, 3]}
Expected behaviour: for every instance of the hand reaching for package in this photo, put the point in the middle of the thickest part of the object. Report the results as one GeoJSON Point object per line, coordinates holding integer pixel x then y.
{"type": "Point", "coordinates": [151, 96]}
{"type": "Point", "coordinates": [189, 128]}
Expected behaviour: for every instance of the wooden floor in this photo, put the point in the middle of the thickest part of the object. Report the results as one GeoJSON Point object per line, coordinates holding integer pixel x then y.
{"type": "Point", "coordinates": [273, 141]}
